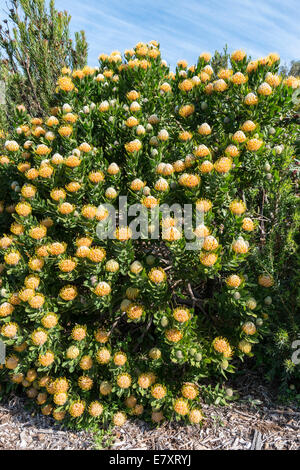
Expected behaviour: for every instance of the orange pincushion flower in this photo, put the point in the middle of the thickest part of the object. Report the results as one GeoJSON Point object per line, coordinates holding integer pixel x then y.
{"type": "Point", "coordinates": [6, 309]}
{"type": "Point", "coordinates": [251, 99]}
{"type": "Point", "coordinates": [131, 121]}
{"type": "Point", "coordinates": [134, 311]}
{"type": "Point", "coordinates": [101, 336]}
{"type": "Point", "coordinates": [186, 110]}
{"type": "Point", "coordinates": [9, 330]}
{"type": "Point", "coordinates": [201, 151]}
{"type": "Point", "coordinates": [189, 390]}
{"type": "Point", "coordinates": [239, 78]}
{"type": "Point", "coordinates": [23, 209]}
{"type": "Point", "coordinates": [5, 242]}
{"type": "Point", "coordinates": [57, 248]}
{"type": "Point", "coordinates": [85, 147]}
{"type": "Point", "coordinates": [206, 167]}
{"type": "Point", "coordinates": [133, 95]}
{"type": "Point", "coordinates": [84, 241]}
{"type": "Point", "coordinates": [249, 328]}
{"type": "Point", "coordinates": [237, 207]}
{"type": "Point", "coordinates": [137, 184]}
{"type": "Point", "coordinates": [222, 346]}
{"type": "Point", "coordinates": [120, 358]}
{"type": "Point", "coordinates": [52, 121]}
{"type": "Point", "coordinates": [206, 56]}
{"type": "Point", "coordinates": [265, 280]}
{"type": "Point", "coordinates": [77, 408]}
{"type": "Point", "coordinates": [105, 388]}
{"type": "Point", "coordinates": [11, 362]}
{"type": "Point", "coordinates": [70, 117]}
{"type": "Point", "coordinates": [223, 165]}
{"type": "Point", "coordinates": [181, 314]}
{"type": "Point", "coordinates": [28, 191]}
{"type": "Point", "coordinates": [238, 55]}
{"type": "Point", "coordinates": [96, 177]}
{"type": "Point", "coordinates": [240, 246]}
{"type": "Point", "coordinates": [133, 146]}
{"type": "Point", "coordinates": [158, 391]}
{"type": "Point", "coordinates": [234, 280]}
{"type": "Point", "coordinates": [89, 211]}
{"type": "Point", "coordinates": [201, 231]}
{"type": "Point", "coordinates": [31, 174]}
{"type": "Point", "coordinates": [42, 251]}
{"type": "Point", "coordinates": [85, 382]}
{"type": "Point", "coordinates": [173, 335]}
{"type": "Point", "coordinates": [119, 418]}
{"type": "Point", "coordinates": [254, 144]}
{"type": "Point", "coordinates": [204, 129]}
{"type": "Point", "coordinates": [14, 299]}
{"type": "Point", "coordinates": [225, 73]}
{"type": "Point", "coordinates": [219, 85]}
{"type": "Point", "coordinates": [150, 202]}
{"type": "Point", "coordinates": [45, 171]}
{"type": "Point", "coordinates": [72, 161]}
{"type": "Point", "coordinates": [103, 356]}
{"type": "Point", "coordinates": [42, 149]}
{"type": "Point", "coordinates": [86, 362]}
{"type": "Point", "coordinates": [73, 186]}
{"type": "Point", "coordinates": [181, 406]}
{"type": "Point", "coordinates": [171, 234]}
{"type": "Point", "coordinates": [185, 136]}
{"type": "Point", "coordinates": [65, 131]}
{"type": "Point", "coordinates": [68, 293]}
{"type": "Point", "coordinates": [16, 228]}
{"type": "Point", "coordinates": [186, 85]}
{"type": "Point", "coordinates": [210, 243]}
{"type": "Point", "coordinates": [39, 337]}
{"type": "Point", "coordinates": [78, 333]}
{"type": "Point", "coordinates": [97, 254]}
{"type": "Point", "coordinates": [264, 89]}
{"type": "Point", "coordinates": [157, 275]}
{"type": "Point", "coordinates": [208, 259]}
{"type": "Point", "coordinates": [145, 380]}
{"type": "Point", "coordinates": [46, 359]}
{"type": "Point", "coordinates": [189, 180]}
{"type": "Point", "coordinates": [65, 83]}
{"type": "Point", "coordinates": [239, 137]}
{"type": "Point", "coordinates": [102, 289]}
{"type": "Point", "coordinates": [26, 294]}
{"type": "Point", "coordinates": [248, 224]}
{"type": "Point", "coordinates": [157, 416]}
{"type": "Point", "coordinates": [203, 205]}
{"type": "Point", "coordinates": [248, 126]}
{"type": "Point", "coordinates": [124, 380]}
{"type": "Point", "coordinates": [32, 281]}
{"type": "Point", "coordinates": [179, 166]}
{"type": "Point", "coordinates": [12, 258]}
{"type": "Point", "coordinates": [67, 265]}
{"type": "Point", "coordinates": [37, 233]}
{"type": "Point", "coordinates": [95, 409]}
{"type": "Point", "coordinates": [57, 194]}
{"type": "Point", "coordinates": [37, 301]}
{"type": "Point", "coordinates": [36, 264]}
{"type": "Point", "coordinates": [165, 87]}
{"type": "Point", "coordinates": [195, 416]}
{"type": "Point", "coordinates": [49, 320]}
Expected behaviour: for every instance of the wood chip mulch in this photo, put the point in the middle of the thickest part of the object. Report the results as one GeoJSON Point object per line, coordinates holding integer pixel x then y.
{"type": "Point", "coordinates": [254, 422]}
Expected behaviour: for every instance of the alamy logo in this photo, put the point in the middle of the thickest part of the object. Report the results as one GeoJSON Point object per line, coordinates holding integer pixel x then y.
{"type": "Point", "coordinates": [296, 354]}
{"type": "Point", "coordinates": [2, 352]}
{"type": "Point", "coordinates": [169, 223]}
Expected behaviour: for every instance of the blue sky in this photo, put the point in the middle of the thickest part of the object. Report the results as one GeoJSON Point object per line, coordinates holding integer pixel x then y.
{"type": "Point", "coordinates": [187, 28]}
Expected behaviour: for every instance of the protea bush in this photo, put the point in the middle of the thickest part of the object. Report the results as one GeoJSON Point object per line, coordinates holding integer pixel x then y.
{"type": "Point", "coordinates": [109, 328]}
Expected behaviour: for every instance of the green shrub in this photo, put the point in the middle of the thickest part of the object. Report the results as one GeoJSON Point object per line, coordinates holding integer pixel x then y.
{"type": "Point", "coordinates": [101, 328]}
